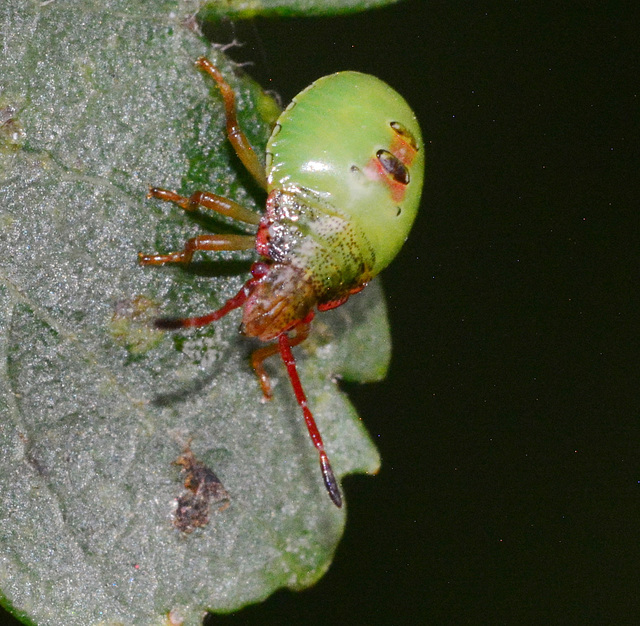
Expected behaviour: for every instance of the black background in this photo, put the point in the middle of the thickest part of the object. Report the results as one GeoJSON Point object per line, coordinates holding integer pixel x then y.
{"type": "Point", "coordinates": [509, 424]}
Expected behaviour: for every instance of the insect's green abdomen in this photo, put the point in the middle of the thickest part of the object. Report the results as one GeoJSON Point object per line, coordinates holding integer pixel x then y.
{"type": "Point", "coordinates": [354, 141]}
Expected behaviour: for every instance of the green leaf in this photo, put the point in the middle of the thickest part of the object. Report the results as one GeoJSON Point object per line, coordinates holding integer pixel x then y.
{"type": "Point", "coordinates": [97, 102]}
{"type": "Point", "coordinates": [243, 9]}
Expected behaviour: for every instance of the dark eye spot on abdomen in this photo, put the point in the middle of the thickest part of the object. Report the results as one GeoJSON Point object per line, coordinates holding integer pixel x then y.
{"type": "Point", "coordinates": [393, 166]}
{"type": "Point", "coordinates": [402, 130]}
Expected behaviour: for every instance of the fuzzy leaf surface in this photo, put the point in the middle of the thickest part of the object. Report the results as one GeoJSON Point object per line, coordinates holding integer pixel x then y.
{"type": "Point", "coordinates": [98, 101]}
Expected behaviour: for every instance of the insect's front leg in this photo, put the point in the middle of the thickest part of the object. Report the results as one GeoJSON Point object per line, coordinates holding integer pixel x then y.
{"type": "Point", "coordinates": [258, 357]}
{"type": "Point", "coordinates": [202, 242]}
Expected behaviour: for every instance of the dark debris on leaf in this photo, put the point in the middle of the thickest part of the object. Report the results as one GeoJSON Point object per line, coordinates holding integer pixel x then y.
{"type": "Point", "coordinates": [204, 488]}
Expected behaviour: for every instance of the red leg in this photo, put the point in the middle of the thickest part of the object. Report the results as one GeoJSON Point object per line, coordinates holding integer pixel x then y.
{"type": "Point", "coordinates": [237, 138]}
{"type": "Point", "coordinates": [221, 205]}
{"type": "Point", "coordinates": [327, 473]}
{"type": "Point", "coordinates": [259, 355]}
{"type": "Point", "coordinates": [202, 242]}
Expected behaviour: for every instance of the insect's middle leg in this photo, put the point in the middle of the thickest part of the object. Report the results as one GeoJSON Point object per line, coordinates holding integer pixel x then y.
{"type": "Point", "coordinates": [219, 204]}
{"type": "Point", "coordinates": [202, 242]}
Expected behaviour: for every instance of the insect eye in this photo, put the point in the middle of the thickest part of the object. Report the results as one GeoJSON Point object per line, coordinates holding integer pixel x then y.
{"type": "Point", "coordinates": [393, 166]}
{"type": "Point", "coordinates": [405, 133]}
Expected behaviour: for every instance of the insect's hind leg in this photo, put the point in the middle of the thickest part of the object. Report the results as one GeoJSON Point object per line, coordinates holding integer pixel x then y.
{"type": "Point", "coordinates": [202, 242]}
{"type": "Point", "coordinates": [237, 137]}
{"type": "Point", "coordinates": [211, 201]}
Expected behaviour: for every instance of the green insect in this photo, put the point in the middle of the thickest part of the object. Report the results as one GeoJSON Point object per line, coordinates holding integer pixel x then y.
{"type": "Point", "coordinates": [344, 169]}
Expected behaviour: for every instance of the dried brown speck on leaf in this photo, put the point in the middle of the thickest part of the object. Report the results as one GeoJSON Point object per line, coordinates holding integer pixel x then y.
{"type": "Point", "coordinates": [204, 488]}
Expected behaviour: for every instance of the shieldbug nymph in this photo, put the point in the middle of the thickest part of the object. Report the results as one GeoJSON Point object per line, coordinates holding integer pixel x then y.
{"type": "Point", "coordinates": [344, 169]}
